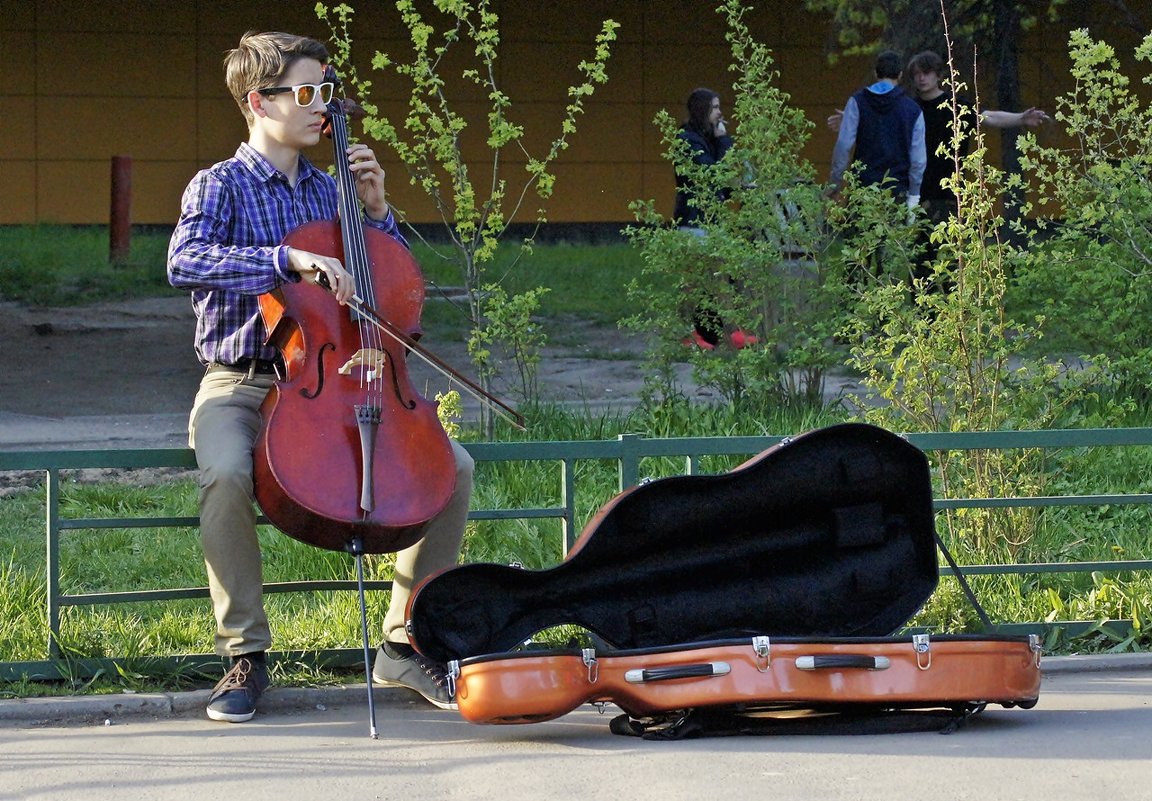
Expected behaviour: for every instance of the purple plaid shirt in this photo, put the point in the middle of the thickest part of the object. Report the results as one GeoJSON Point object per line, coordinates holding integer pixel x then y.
{"type": "Point", "coordinates": [225, 247]}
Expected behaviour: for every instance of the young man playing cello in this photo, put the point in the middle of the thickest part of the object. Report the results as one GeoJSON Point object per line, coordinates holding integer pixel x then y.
{"type": "Point", "coordinates": [226, 250]}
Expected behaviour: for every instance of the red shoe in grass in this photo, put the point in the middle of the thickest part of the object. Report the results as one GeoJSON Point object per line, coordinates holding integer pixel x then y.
{"type": "Point", "coordinates": [697, 341]}
{"type": "Point", "coordinates": [741, 339]}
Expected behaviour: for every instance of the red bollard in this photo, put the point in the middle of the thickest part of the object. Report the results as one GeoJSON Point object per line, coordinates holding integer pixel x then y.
{"type": "Point", "coordinates": [120, 216]}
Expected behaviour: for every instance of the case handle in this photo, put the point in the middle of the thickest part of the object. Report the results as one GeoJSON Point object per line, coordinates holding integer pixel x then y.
{"type": "Point", "coordinates": [643, 675]}
{"type": "Point", "coordinates": [840, 661]}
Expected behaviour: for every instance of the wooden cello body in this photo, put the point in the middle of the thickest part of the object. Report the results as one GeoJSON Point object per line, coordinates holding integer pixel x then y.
{"type": "Point", "coordinates": [350, 456]}
{"type": "Point", "coordinates": [785, 581]}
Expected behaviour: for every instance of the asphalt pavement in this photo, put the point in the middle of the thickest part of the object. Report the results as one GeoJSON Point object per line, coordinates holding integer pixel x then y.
{"type": "Point", "coordinates": [27, 432]}
{"type": "Point", "coordinates": [1089, 737]}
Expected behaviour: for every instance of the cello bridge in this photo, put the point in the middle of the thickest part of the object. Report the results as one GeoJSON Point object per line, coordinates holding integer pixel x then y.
{"type": "Point", "coordinates": [370, 360]}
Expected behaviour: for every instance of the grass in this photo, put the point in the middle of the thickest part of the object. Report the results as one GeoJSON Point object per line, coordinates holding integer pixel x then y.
{"type": "Point", "coordinates": [62, 266]}
{"type": "Point", "coordinates": [50, 265]}
{"type": "Point", "coordinates": [584, 281]}
{"type": "Point", "coordinates": [65, 266]}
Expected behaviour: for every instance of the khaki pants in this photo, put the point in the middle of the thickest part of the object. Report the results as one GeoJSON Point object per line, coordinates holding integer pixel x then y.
{"type": "Point", "coordinates": [222, 429]}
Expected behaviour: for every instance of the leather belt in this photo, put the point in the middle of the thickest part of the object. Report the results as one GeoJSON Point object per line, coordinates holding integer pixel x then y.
{"type": "Point", "coordinates": [250, 366]}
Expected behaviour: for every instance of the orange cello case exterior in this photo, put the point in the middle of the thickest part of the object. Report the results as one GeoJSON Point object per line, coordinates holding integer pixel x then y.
{"type": "Point", "coordinates": [847, 674]}
{"type": "Point", "coordinates": [778, 584]}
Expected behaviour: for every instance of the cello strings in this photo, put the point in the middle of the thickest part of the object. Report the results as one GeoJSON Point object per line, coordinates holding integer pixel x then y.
{"type": "Point", "coordinates": [371, 374]}
{"type": "Point", "coordinates": [373, 327]}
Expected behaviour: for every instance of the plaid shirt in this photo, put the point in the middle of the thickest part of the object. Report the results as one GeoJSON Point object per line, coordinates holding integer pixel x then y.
{"type": "Point", "coordinates": [225, 247]}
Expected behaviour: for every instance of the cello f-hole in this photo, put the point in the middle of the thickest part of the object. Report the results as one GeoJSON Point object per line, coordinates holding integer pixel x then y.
{"type": "Point", "coordinates": [319, 373]}
{"type": "Point", "coordinates": [407, 404]}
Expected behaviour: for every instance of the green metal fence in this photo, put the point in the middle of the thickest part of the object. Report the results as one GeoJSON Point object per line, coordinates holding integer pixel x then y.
{"type": "Point", "coordinates": [629, 453]}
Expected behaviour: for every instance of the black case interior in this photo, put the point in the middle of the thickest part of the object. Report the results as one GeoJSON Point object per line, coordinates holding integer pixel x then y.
{"type": "Point", "coordinates": [828, 534]}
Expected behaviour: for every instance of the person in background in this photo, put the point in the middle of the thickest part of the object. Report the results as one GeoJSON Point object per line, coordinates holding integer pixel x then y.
{"type": "Point", "coordinates": [925, 70]}
{"type": "Point", "coordinates": [884, 129]}
{"type": "Point", "coordinates": [938, 105]}
{"type": "Point", "coordinates": [707, 135]}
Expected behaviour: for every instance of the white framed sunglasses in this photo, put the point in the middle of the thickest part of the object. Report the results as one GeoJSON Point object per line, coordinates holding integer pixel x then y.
{"type": "Point", "coordinates": [304, 93]}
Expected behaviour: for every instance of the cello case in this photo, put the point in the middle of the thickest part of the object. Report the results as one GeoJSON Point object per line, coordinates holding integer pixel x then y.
{"type": "Point", "coordinates": [778, 584]}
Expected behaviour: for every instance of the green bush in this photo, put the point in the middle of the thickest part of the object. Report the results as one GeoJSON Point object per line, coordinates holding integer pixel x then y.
{"type": "Point", "coordinates": [1091, 274]}
{"type": "Point", "coordinates": [760, 264]}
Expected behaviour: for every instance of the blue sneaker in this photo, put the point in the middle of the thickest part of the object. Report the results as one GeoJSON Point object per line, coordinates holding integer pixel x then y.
{"type": "Point", "coordinates": [234, 697]}
{"type": "Point", "coordinates": [415, 672]}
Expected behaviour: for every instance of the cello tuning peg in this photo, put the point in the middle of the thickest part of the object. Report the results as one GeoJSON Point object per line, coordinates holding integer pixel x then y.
{"type": "Point", "coordinates": [353, 110]}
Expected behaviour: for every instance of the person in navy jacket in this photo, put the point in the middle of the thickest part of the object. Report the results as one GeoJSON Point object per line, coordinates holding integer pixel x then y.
{"type": "Point", "coordinates": [884, 129]}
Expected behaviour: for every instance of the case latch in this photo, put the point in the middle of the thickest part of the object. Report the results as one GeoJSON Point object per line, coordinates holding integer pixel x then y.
{"type": "Point", "coordinates": [1036, 648]}
{"type": "Point", "coordinates": [763, 648]}
{"type": "Point", "coordinates": [453, 674]}
{"type": "Point", "coordinates": [589, 657]}
{"type": "Point", "coordinates": [922, 645]}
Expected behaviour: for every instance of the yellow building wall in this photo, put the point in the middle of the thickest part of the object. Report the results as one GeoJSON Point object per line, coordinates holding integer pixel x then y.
{"type": "Point", "coordinates": [88, 81]}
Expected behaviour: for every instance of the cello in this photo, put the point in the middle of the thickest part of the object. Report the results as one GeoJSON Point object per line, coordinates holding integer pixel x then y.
{"type": "Point", "coordinates": [350, 457]}
{"type": "Point", "coordinates": [349, 450]}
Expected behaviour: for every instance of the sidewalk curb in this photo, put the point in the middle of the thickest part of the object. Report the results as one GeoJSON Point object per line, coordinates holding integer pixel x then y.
{"type": "Point", "coordinates": [111, 709]}
{"type": "Point", "coordinates": [1096, 663]}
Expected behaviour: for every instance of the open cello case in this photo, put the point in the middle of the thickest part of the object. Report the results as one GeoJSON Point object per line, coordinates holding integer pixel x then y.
{"type": "Point", "coordinates": [733, 603]}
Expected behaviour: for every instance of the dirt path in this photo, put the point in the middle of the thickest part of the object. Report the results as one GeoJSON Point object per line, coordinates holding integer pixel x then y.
{"type": "Point", "coordinates": [133, 366]}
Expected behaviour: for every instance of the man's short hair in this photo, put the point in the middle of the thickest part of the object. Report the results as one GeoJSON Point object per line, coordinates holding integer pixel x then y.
{"type": "Point", "coordinates": [888, 65]}
{"type": "Point", "coordinates": [261, 58]}
{"type": "Point", "coordinates": [926, 62]}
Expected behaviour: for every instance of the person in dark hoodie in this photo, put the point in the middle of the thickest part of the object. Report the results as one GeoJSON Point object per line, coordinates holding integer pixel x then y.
{"type": "Point", "coordinates": [926, 70]}
{"type": "Point", "coordinates": [940, 106]}
{"type": "Point", "coordinates": [707, 136]}
{"type": "Point", "coordinates": [885, 128]}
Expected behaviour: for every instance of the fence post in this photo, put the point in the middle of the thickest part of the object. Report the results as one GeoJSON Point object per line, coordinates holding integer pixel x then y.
{"type": "Point", "coordinates": [629, 464]}
{"type": "Point", "coordinates": [568, 502]}
{"type": "Point", "coordinates": [52, 559]}
{"type": "Point", "coordinates": [120, 214]}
